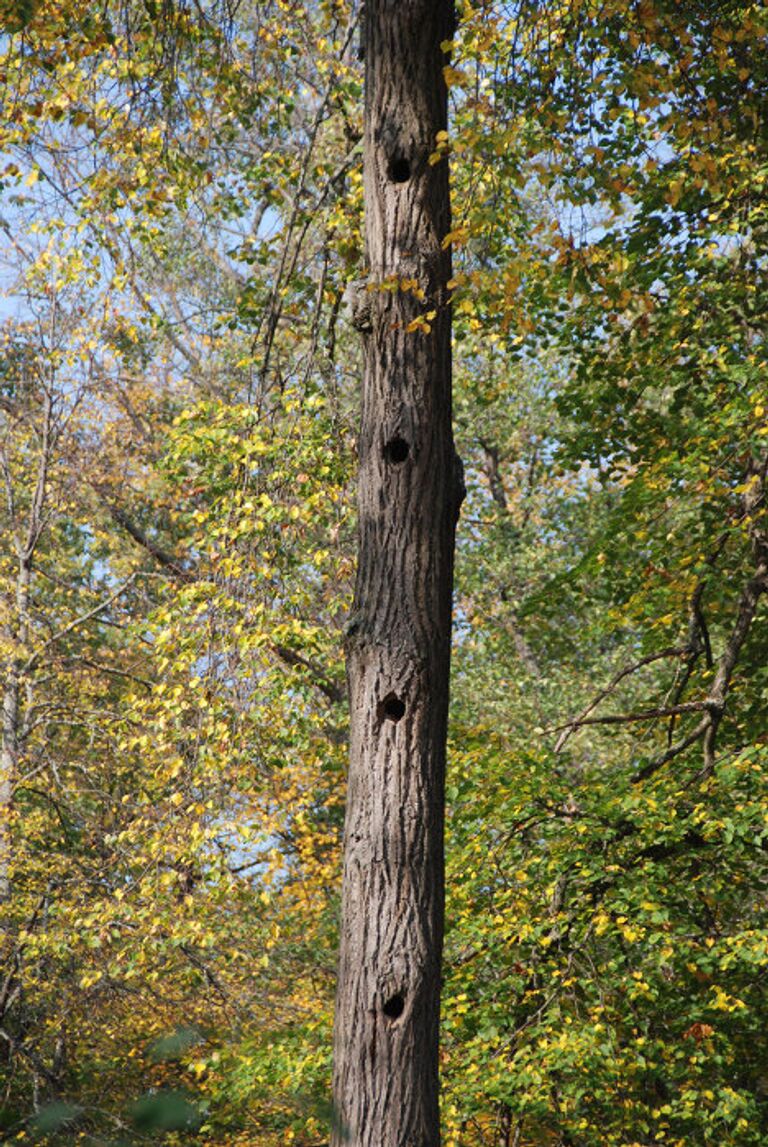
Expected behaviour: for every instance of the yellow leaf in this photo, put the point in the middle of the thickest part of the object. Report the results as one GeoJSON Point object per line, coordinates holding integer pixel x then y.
{"type": "Point", "coordinates": [458, 235]}
{"type": "Point", "coordinates": [453, 76]}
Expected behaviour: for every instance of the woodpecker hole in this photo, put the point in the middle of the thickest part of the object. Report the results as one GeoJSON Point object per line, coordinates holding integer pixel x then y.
{"type": "Point", "coordinates": [399, 169]}
{"type": "Point", "coordinates": [394, 1007]}
{"type": "Point", "coordinates": [392, 708]}
{"type": "Point", "coordinates": [396, 450]}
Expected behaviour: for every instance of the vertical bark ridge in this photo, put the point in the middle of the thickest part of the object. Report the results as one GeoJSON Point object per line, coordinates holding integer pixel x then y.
{"type": "Point", "coordinates": [386, 1037]}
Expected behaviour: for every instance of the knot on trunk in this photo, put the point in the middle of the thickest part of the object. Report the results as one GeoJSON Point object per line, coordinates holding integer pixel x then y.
{"type": "Point", "coordinates": [358, 299]}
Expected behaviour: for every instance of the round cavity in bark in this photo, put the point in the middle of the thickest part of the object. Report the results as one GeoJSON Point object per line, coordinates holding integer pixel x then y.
{"type": "Point", "coordinates": [399, 169]}
{"type": "Point", "coordinates": [392, 708]}
{"type": "Point", "coordinates": [396, 450]}
{"type": "Point", "coordinates": [394, 1007]}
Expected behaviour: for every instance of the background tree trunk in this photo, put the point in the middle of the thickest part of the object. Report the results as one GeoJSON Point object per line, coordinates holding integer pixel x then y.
{"type": "Point", "coordinates": [410, 489]}
{"type": "Point", "coordinates": [14, 637]}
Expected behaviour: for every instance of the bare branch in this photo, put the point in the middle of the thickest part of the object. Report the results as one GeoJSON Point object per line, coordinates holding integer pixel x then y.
{"type": "Point", "coordinates": [750, 596]}
{"type": "Point", "coordinates": [34, 660]}
{"type": "Point", "coordinates": [582, 719]}
{"type": "Point", "coordinates": [673, 751]}
{"type": "Point", "coordinates": [162, 556]}
{"type": "Point", "coordinates": [492, 471]}
{"type": "Point", "coordinates": [643, 715]}
{"type": "Point", "coordinates": [328, 688]}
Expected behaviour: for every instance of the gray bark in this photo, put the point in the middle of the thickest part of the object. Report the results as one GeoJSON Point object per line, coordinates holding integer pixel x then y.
{"type": "Point", "coordinates": [15, 638]}
{"type": "Point", "coordinates": [8, 761]}
{"type": "Point", "coordinates": [398, 652]}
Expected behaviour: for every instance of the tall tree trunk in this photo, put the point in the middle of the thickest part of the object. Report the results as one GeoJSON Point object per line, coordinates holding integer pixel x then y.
{"type": "Point", "coordinates": [15, 637]}
{"type": "Point", "coordinates": [8, 758]}
{"type": "Point", "coordinates": [14, 640]}
{"type": "Point", "coordinates": [398, 655]}
{"type": "Point", "coordinates": [9, 752]}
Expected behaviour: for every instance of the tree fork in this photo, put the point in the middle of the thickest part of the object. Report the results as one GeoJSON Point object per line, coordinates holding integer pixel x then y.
{"type": "Point", "coordinates": [398, 648]}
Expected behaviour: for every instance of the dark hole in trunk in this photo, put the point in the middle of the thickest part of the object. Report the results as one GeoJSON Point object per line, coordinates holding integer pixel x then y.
{"type": "Point", "coordinates": [396, 450]}
{"type": "Point", "coordinates": [392, 708]}
{"type": "Point", "coordinates": [399, 169]}
{"type": "Point", "coordinates": [394, 1007]}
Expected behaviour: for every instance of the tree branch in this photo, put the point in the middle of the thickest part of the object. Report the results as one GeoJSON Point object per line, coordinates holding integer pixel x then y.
{"type": "Point", "coordinates": [571, 726]}
{"type": "Point", "coordinates": [335, 694]}
{"type": "Point", "coordinates": [34, 660]}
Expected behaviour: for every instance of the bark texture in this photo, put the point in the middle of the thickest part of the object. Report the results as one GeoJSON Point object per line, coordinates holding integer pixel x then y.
{"type": "Point", "coordinates": [398, 655]}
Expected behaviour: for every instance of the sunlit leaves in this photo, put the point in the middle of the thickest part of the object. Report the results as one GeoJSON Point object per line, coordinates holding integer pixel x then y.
{"type": "Point", "coordinates": [182, 203]}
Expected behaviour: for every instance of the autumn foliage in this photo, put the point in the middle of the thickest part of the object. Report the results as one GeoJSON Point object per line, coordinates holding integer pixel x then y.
{"type": "Point", "coordinates": [180, 225]}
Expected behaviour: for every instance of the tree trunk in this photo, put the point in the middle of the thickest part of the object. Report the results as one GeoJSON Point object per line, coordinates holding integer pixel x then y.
{"type": "Point", "coordinates": [8, 757]}
{"type": "Point", "coordinates": [15, 637]}
{"type": "Point", "coordinates": [398, 654]}
{"type": "Point", "coordinates": [9, 742]}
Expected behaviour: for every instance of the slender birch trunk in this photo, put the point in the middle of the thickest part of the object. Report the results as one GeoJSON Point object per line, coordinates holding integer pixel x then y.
{"type": "Point", "coordinates": [16, 640]}
{"type": "Point", "coordinates": [8, 758]}
{"type": "Point", "coordinates": [9, 736]}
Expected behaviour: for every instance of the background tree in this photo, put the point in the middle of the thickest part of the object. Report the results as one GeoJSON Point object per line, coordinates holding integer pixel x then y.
{"type": "Point", "coordinates": [605, 948]}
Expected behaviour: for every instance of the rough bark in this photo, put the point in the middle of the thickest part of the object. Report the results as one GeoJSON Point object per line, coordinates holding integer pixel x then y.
{"type": "Point", "coordinates": [410, 490]}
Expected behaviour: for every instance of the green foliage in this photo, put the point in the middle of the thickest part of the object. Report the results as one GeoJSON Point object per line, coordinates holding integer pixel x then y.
{"type": "Point", "coordinates": [181, 204]}
{"type": "Point", "coordinates": [164, 1111]}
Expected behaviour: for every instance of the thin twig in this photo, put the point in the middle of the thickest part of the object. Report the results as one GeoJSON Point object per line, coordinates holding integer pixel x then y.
{"type": "Point", "coordinates": [572, 726]}
{"type": "Point", "coordinates": [35, 658]}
